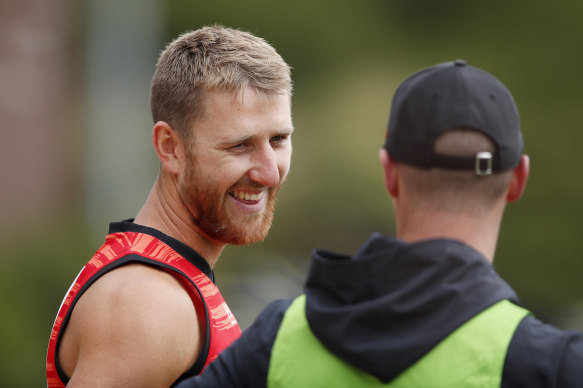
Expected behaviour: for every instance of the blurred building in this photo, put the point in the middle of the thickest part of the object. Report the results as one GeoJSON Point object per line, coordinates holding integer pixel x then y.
{"type": "Point", "coordinates": [38, 110]}
{"type": "Point", "coordinates": [74, 110]}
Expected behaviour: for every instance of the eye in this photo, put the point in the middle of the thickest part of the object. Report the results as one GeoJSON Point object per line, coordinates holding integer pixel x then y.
{"type": "Point", "coordinates": [239, 146]}
{"type": "Point", "coordinates": [279, 138]}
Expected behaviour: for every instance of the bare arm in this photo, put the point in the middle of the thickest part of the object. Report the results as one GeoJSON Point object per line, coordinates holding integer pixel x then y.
{"type": "Point", "coordinates": [135, 327]}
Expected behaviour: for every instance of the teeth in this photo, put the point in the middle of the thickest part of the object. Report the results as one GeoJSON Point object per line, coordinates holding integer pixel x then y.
{"type": "Point", "coordinates": [248, 196]}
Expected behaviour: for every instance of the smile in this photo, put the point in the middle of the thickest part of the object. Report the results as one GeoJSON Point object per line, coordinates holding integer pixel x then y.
{"type": "Point", "coordinates": [247, 196]}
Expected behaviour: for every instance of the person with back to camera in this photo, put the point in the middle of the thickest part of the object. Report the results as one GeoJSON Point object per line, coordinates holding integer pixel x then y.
{"type": "Point", "coordinates": [424, 309]}
{"type": "Point", "coordinates": [145, 312]}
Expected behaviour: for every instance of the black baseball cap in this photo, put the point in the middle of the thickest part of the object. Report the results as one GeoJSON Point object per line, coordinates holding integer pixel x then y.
{"type": "Point", "coordinates": [453, 95]}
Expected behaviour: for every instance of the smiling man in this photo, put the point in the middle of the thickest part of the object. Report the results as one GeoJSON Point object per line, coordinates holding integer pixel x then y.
{"type": "Point", "coordinates": [144, 312]}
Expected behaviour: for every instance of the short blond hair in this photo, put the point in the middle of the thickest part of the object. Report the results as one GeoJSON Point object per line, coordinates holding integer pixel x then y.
{"type": "Point", "coordinates": [213, 57]}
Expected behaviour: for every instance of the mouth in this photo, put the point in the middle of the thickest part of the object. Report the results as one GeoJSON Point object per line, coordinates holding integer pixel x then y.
{"type": "Point", "coordinates": [247, 197]}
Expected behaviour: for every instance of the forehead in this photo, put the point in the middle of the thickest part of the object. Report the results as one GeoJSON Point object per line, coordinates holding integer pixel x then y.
{"type": "Point", "coordinates": [228, 113]}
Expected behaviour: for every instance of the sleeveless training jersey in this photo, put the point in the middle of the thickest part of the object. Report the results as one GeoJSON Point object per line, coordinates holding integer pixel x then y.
{"type": "Point", "coordinates": [132, 243]}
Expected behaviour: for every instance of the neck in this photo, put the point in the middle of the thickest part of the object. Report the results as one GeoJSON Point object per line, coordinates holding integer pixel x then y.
{"type": "Point", "coordinates": [480, 231]}
{"type": "Point", "coordinates": [165, 212]}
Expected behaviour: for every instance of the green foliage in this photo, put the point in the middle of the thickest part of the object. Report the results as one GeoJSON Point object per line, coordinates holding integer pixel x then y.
{"type": "Point", "coordinates": [37, 267]}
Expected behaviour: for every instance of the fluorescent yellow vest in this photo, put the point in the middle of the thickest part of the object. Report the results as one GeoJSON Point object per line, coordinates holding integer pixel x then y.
{"type": "Point", "coordinates": [472, 356]}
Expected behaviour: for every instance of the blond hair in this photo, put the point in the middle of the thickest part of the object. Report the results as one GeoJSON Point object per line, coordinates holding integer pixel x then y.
{"type": "Point", "coordinates": [208, 58]}
{"type": "Point", "coordinates": [453, 191]}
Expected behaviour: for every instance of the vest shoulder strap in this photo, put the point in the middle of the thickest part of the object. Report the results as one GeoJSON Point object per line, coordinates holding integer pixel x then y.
{"type": "Point", "coordinates": [473, 355]}
{"type": "Point", "coordinates": [298, 359]}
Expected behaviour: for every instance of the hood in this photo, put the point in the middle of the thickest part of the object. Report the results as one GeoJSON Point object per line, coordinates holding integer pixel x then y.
{"type": "Point", "coordinates": [386, 306]}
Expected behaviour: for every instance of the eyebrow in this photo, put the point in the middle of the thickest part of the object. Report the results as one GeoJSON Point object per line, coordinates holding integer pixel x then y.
{"type": "Point", "coordinates": [286, 131]}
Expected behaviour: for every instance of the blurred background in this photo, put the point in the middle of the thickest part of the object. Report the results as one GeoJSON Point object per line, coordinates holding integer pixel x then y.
{"type": "Point", "coordinates": [76, 153]}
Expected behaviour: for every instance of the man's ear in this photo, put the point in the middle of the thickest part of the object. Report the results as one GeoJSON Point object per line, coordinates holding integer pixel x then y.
{"type": "Point", "coordinates": [391, 175]}
{"type": "Point", "coordinates": [519, 178]}
{"type": "Point", "coordinates": [168, 146]}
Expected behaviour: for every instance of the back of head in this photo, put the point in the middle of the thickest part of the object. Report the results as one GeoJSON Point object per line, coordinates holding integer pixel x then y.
{"type": "Point", "coordinates": [212, 58]}
{"type": "Point", "coordinates": [451, 191]}
{"type": "Point", "coordinates": [455, 131]}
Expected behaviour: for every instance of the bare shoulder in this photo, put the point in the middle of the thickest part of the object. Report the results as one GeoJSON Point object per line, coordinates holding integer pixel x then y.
{"type": "Point", "coordinates": [135, 326]}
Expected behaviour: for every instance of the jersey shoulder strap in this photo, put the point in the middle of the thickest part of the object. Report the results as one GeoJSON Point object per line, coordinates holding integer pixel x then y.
{"type": "Point", "coordinates": [221, 328]}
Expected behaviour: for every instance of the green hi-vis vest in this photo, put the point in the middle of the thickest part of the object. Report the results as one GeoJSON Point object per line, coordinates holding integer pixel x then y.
{"type": "Point", "coordinates": [472, 356]}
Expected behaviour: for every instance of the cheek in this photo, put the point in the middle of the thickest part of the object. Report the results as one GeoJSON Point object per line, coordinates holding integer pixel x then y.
{"type": "Point", "coordinates": [229, 175]}
{"type": "Point", "coordinates": [284, 162]}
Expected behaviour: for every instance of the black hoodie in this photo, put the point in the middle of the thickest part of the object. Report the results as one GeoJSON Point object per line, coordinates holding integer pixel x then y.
{"type": "Point", "coordinates": [389, 304]}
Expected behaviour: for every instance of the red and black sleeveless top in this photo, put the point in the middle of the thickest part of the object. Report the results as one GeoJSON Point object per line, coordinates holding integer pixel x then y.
{"type": "Point", "coordinates": [131, 243]}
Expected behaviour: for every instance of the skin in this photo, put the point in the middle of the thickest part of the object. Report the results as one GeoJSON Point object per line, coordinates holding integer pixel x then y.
{"type": "Point", "coordinates": [478, 229]}
{"type": "Point", "coordinates": [136, 325]}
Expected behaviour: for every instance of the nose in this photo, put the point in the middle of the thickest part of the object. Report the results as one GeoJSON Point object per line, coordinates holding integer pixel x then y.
{"type": "Point", "coordinates": [265, 170]}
